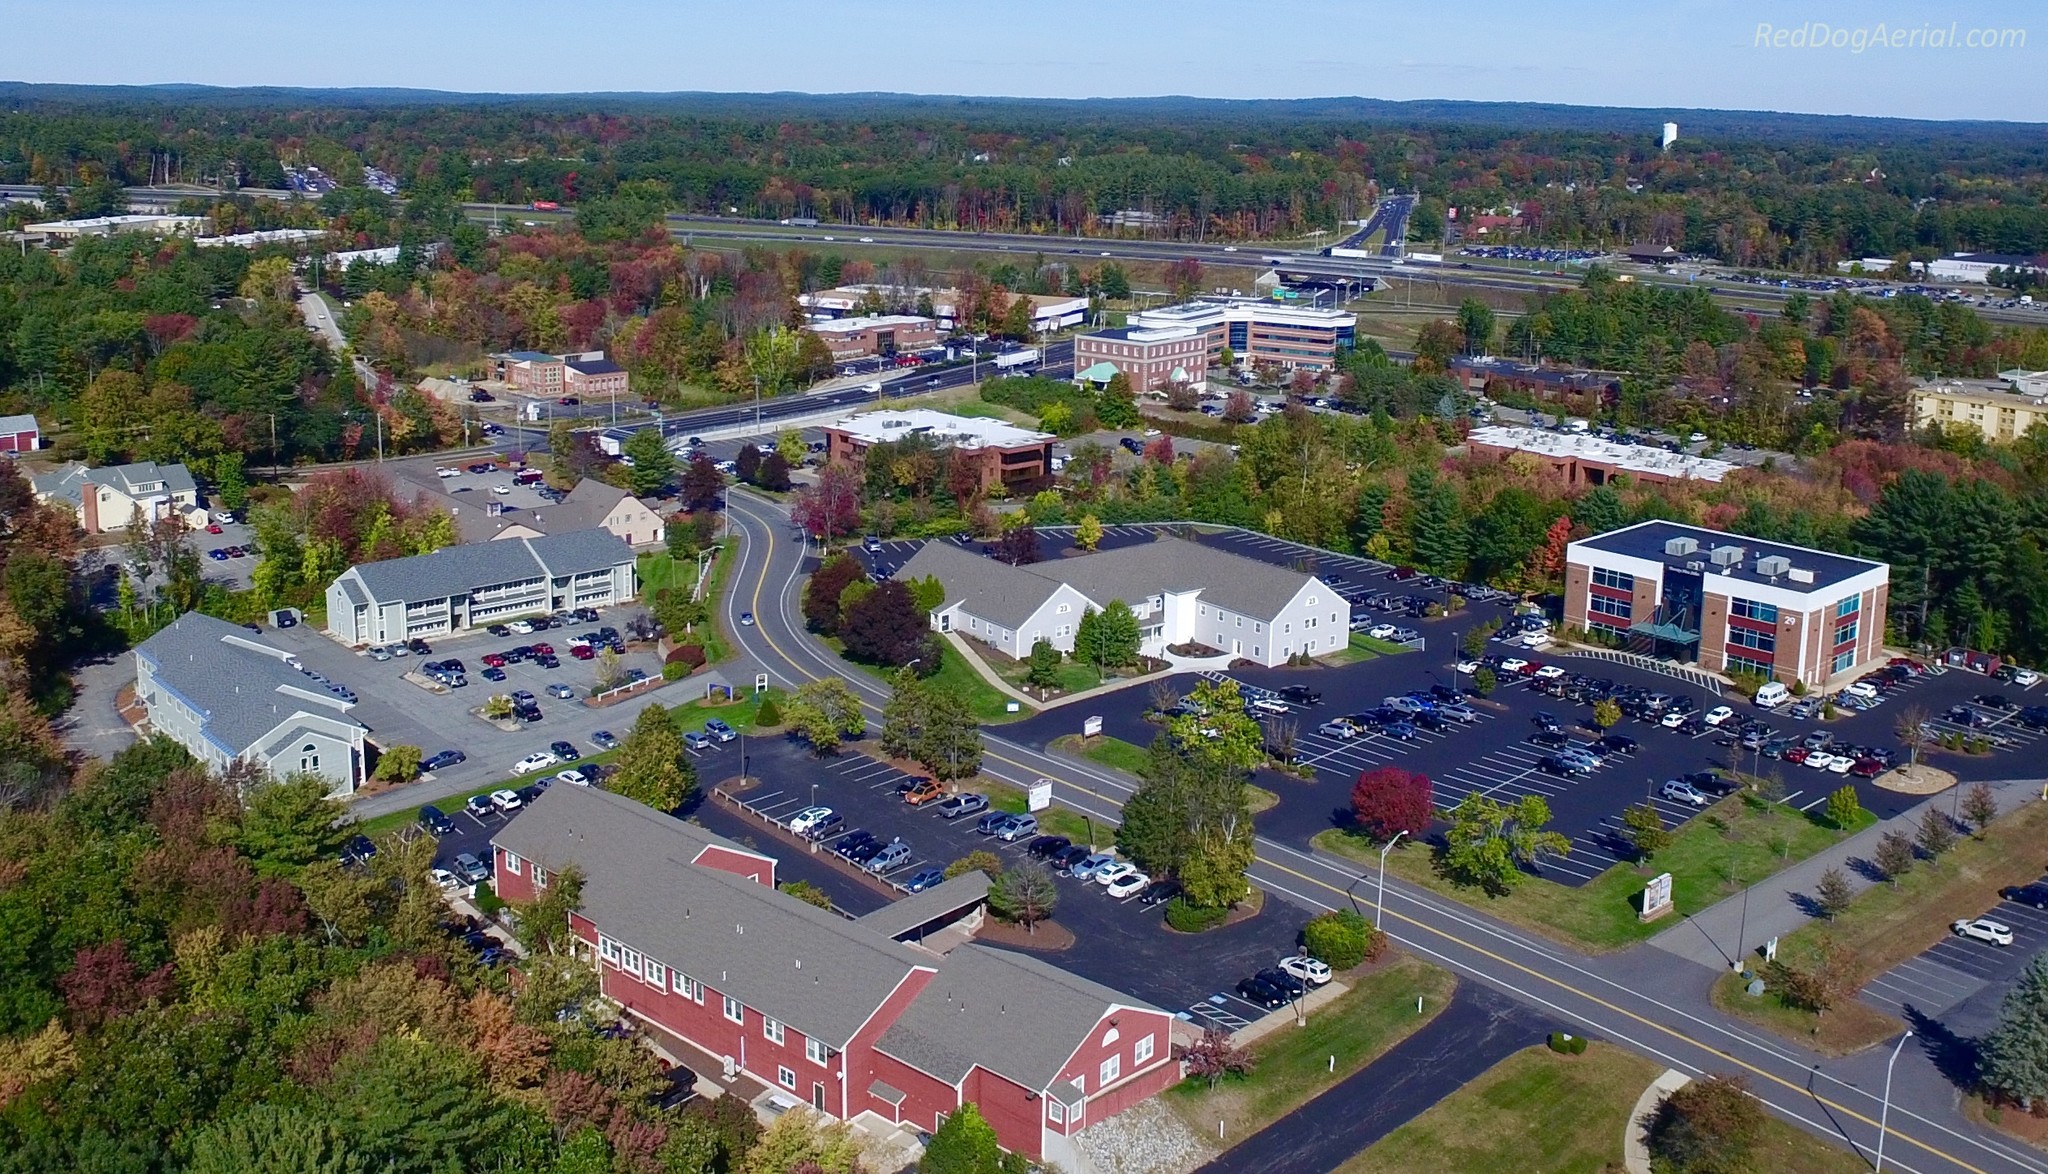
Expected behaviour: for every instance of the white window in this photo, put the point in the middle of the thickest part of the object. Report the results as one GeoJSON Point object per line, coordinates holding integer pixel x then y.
{"type": "Point", "coordinates": [655, 973]}
{"type": "Point", "coordinates": [309, 757]}
{"type": "Point", "coordinates": [733, 1010]}
{"type": "Point", "coordinates": [785, 1077]}
{"type": "Point", "coordinates": [607, 949]}
{"type": "Point", "coordinates": [1333, 617]}
{"type": "Point", "coordinates": [815, 1051]}
{"type": "Point", "coordinates": [629, 960]}
{"type": "Point", "coordinates": [540, 877]}
{"type": "Point", "coordinates": [512, 863]}
{"type": "Point", "coordinates": [1287, 627]}
{"type": "Point", "coordinates": [1062, 630]}
{"type": "Point", "coordinates": [687, 987]}
{"type": "Point", "coordinates": [1240, 621]}
{"type": "Point", "coordinates": [1258, 627]}
{"type": "Point", "coordinates": [1057, 1112]}
{"type": "Point", "coordinates": [1310, 622]}
{"type": "Point", "coordinates": [1141, 1051]}
{"type": "Point", "coordinates": [771, 1029]}
{"type": "Point", "coordinates": [1110, 1068]}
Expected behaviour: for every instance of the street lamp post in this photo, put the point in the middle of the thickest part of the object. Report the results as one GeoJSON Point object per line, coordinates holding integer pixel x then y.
{"type": "Point", "coordinates": [1379, 907]}
{"type": "Point", "coordinates": [1884, 1114]}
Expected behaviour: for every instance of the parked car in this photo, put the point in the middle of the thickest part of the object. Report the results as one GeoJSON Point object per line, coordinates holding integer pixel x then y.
{"type": "Point", "coordinates": [471, 869]}
{"type": "Point", "coordinates": [1294, 987]}
{"type": "Point", "coordinates": [1261, 993]}
{"type": "Point", "coordinates": [1127, 886]}
{"type": "Point", "coordinates": [803, 821]}
{"type": "Point", "coordinates": [575, 777]}
{"type": "Point", "coordinates": [1108, 874]}
{"type": "Point", "coordinates": [1064, 860]}
{"type": "Point", "coordinates": [604, 740]}
{"type": "Point", "coordinates": [1680, 791]}
{"type": "Point", "coordinates": [922, 879]}
{"type": "Point", "coordinates": [1306, 969]}
{"type": "Point", "coordinates": [696, 741]}
{"type": "Point", "coordinates": [444, 760]}
{"type": "Point", "coordinates": [1019, 827]}
{"type": "Point", "coordinates": [1159, 892]}
{"type": "Point", "coordinates": [991, 823]}
{"type": "Point", "coordinates": [1301, 695]}
{"type": "Point", "coordinates": [720, 731]}
{"type": "Point", "coordinates": [436, 823]}
{"type": "Point", "coordinates": [1086, 867]}
{"type": "Point", "coordinates": [895, 855]}
{"type": "Point", "coordinates": [1718, 716]}
{"type": "Point", "coordinates": [965, 803]}
{"type": "Point", "coordinates": [506, 801]}
{"type": "Point", "coordinates": [1044, 847]}
{"type": "Point", "coordinates": [1984, 929]}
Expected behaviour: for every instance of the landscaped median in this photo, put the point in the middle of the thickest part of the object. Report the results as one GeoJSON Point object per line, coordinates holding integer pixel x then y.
{"type": "Point", "coordinates": [1117, 754]}
{"type": "Point", "coordinates": [1541, 1111]}
{"type": "Point", "coordinates": [1885, 925]}
{"type": "Point", "coordinates": [1736, 843]}
{"type": "Point", "coordinates": [1292, 1065]}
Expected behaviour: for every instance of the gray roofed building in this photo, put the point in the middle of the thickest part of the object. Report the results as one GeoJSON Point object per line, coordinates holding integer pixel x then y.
{"type": "Point", "coordinates": [109, 498]}
{"type": "Point", "coordinates": [591, 504]}
{"type": "Point", "coordinates": [220, 692]}
{"type": "Point", "coordinates": [1181, 591]}
{"type": "Point", "coordinates": [565, 821]}
{"type": "Point", "coordinates": [918, 910]}
{"type": "Point", "coordinates": [460, 587]}
{"type": "Point", "coordinates": [1007, 1012]}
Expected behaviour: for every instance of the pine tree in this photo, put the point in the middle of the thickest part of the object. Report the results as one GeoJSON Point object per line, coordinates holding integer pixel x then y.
{"type": "Point", "coordinates": [963, 1144]}
{"type": "Point", "coordinates": [653, 767]}
{"type": "Point", "coordinates": [2013, 1059]}
{"type": "Point", "coordinates": [1043, 665]}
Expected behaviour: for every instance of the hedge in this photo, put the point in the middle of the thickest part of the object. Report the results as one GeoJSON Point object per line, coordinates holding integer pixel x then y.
{"type": "Point", "coordinates": [1189, 918]}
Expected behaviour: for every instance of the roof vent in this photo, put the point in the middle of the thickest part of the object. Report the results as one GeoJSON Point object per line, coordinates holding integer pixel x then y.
{"type": "Point", "coordinates": [1680, 547]}
{"type": "Point", "coordinates": [1695, 565]}
{"type": "Point", "coordinates": [1772, 565]}
{"type": "Point", "coordinates": [1726, 556]}
{"type": "Point", "coordinates": [1800, 575]}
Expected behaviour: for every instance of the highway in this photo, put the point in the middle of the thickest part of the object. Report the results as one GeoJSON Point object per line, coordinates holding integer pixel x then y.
{"type": "Point", "coordinates": [1644, 999]}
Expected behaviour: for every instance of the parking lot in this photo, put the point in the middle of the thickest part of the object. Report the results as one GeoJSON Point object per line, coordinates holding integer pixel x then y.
{"type": "Point", "coordinates": [400, 712]}
{"type": "Point", "coordinates": [1119, 943]}
{"type": "Point", "coordinates": [218, 561]}
{"type": "Point", "coordinates": [1962, 981]}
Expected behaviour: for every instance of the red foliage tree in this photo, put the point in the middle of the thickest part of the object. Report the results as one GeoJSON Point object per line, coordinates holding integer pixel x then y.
{"type": "Point", "coordinates": [1387, 800]}
{"type": "Point", "coordinates": [1160, 449]}
{"type": "Point", "coordinates": [886, 627]}
{"type": "Point", "coordinates": [828, 583]}
{"type": "Point", "coordinates": [104, 984]}
{"type": "Point", "coordinates": [831, 508]}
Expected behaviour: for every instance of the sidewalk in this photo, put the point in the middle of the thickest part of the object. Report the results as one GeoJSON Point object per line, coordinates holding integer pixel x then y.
{"type": "Point", "coordinates": [988, 674]}
{"type": "Point", "coordinates": [1718, 936]}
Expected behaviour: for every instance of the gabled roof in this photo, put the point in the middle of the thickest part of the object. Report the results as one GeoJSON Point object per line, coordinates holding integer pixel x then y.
{"type": "Point", "coordinates": [992, 590]}
{"type": "Point", "coordinates": [1009, 595]}
{"type": "Point", "coordinates": [901, 917]}
{"type": "Point", "coordinates": [1007, 1012]}
{"type": "Point", "coordinates": [241, 687]}
{"type": "Point", "coordinates": [804, 966]}
{"type": "Point", "coordinates": [453, 570]}
{"type": "Point", "coordinates": [66, 482]}
{"type": "Point", "coordinates": [19, 424]}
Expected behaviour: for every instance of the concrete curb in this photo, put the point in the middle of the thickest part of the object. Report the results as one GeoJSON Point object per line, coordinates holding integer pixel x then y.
{"type": "Point", "coordinates": [1635, 1147]}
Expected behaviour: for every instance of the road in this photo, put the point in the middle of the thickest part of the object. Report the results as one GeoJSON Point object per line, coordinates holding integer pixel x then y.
{"type": "Point", "coordinates": [1643, 998]}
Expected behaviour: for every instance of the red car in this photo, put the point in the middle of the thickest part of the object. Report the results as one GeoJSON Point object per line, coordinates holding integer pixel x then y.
{"type": "Point", "coordinates": [1796, 754]}
{"type": "Point", "coordinates": [495, 659]}
{"type": "Point", "coordinates": [1867, 768]}
{"type": "Point", "coordinates": [213, 528]}
{"type": "Point", "coordinates": [543, 650]}
{"type": "Point", "coordinates": [1529, 670]}
{"type": "Point", "coordinates": [582, 652]}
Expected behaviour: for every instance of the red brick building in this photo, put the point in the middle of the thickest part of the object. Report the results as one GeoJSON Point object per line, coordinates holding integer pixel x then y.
{"type": "Point", "coordinates": [1006, 454]}
{"type": "Point", "coordinates": [688, 933]}
{"type": "Point", "coordinates": [593, 376]}
{"type": "Point", "coordinates": [532, 372]}
{"type": "Point", "coordinates": [884, 334]}
{"type": "Point", "coordinates": [1152, 357]}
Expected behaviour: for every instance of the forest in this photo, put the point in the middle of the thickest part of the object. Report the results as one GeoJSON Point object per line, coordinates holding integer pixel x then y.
{"type": "Point", "coordinates": [1754, 190]}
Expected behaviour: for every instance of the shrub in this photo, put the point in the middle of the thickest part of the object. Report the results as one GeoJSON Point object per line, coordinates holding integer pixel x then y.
{"type": "Point", "coordinates": [770, 714]}
{"type": "Point", "coordinates": [688, 655]}
{"type": "Point", "coordinates": [1710, 1124]}
{"type": "Point", "coordinates": [1190, 918]}
{"type": "Point", "coordinates": [1342, 938]}
{"type": "Point", "coordinates": [1567, 1044]}
{"type": "Point", "coordinates": [674, 670]}
{"type": "Point", "coordinates": [987, 862]}
{"type": "Point", "coordinates": [1843, 807]}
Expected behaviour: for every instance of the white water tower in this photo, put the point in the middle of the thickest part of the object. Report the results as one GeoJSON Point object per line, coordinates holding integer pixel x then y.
{"type": "Point", "coordinates": [1670, 134]}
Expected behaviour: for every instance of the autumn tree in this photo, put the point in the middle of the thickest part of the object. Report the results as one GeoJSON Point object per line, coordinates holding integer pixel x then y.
{"type": "Point", "coordinates": [830, 508]}
{"type": "Point", "coordinates": [653, 766]}
{"type": "Point", "coordinates": [822, 595]}
{"type": "Point", "coordinates": [1388, 800]}
{"type": "Point", "coordinates": [1024, 894]}
{"type": "Point", "coordinates": [1215, 1055]}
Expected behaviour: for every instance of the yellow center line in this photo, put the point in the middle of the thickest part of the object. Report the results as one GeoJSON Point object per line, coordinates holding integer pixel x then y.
{"type": "Point", "coordinates": [1552, 980]}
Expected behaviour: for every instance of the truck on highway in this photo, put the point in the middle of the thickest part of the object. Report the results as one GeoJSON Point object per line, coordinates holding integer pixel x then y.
{"type": "Point", "coordinates": [546, 206]}
{"type": "Point", "coordinates": [1025, 357]}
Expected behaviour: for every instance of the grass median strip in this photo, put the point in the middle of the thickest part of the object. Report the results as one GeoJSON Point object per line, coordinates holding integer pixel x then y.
{"type": "Point", "coordinates": [1537, 1110]}
{"type": "Point", "coordinates": [956, 676]}
{"type": "Point", "coordinates": [1733, 844]}
{"type": "Point", "coordinates": [1886, 924]}
{"type": "Point", "coordinates": [1293, 1065]}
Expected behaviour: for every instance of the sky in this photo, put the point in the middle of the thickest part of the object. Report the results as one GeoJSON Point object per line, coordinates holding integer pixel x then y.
{"type": "Point", "coordinates": [1816, 56]}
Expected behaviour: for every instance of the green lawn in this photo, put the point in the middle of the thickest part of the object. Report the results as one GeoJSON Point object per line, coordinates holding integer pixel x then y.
{"type": "Point", "coordinates": [1053, 821]}
{"type": "Point", "coordinates": [688, 716]}
{"type": "Point", "coordinates": [1730, 845]}
{"type": "Point", "coordinates": [1537, 1110]}
{"type": "Point", "coordinates": [659, 570]}
{"type": "Point", "coordinates": [1115, 753]}
{"type": "Point", "coordinates": [956, 676]}
{"type": "Point", "coordinates": [1294, 1063]}
{"type": "Point", "coordinates": [1362, 647]}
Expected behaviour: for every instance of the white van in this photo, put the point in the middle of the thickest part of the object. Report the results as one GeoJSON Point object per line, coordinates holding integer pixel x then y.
{"type": "Point", "coordinates": [1773, 694]}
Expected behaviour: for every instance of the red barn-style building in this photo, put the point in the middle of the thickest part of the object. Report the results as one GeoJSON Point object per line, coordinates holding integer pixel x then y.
{"type": "Point", "coordinates": [689, 934]}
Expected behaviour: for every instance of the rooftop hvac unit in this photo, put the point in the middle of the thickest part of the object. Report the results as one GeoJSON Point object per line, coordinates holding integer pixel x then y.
{"type": "Point", "coordinates": [1772, 565]}
{"type": "Point", "coordinates": [1680, 547]}
{"type": "Point", "coordinates": [1695, 565]}
{"type": "Point", "coordinates": [1726, 556]}
{"type": "Point", "coordinates": [1800, 575]}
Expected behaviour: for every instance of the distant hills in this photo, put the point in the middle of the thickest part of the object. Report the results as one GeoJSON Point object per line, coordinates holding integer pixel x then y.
{"type": "Point", "coordinates": [1530, 116]}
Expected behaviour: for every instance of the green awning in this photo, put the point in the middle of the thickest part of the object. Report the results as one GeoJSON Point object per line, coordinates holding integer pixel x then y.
{"type": "Point", "coordinates": [1099, 373]}
{"type": "Point", "coordinates": [1670, 632]}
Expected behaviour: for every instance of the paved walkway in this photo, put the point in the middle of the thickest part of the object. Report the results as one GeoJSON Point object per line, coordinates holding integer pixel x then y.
{"type": "Point", "coordinates": [1635, 1141]}
{"type": "Point", "coordinates": [990, 675]}
{"type": "Point", "coordinates": [1479, 1029]}
{"type": "Point", "coordinates": [1718, 936]}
